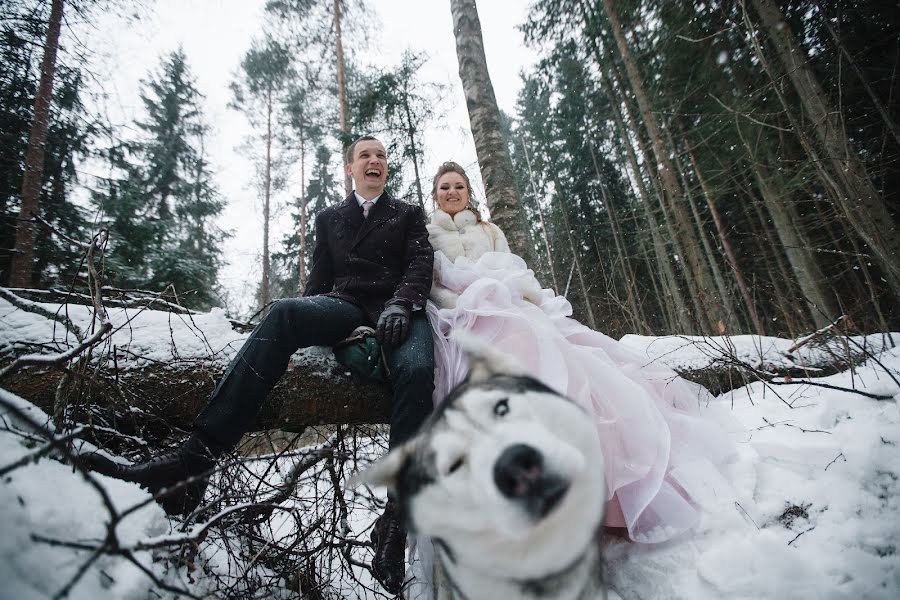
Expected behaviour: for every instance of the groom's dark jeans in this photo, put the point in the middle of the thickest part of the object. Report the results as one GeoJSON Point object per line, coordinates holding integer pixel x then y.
{"type": "Point", "coordinates": [315, 321]}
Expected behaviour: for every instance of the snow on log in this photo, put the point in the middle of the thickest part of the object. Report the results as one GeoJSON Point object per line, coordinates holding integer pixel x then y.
{"type": "Point", "coordinates": [166, 364]}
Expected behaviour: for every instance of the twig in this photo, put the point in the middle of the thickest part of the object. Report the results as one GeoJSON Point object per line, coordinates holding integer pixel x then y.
{"type": "Point", "coordinates": [841, 455]}
{"type": "Point", "coordinates": [807, 339]}
{"type": "Point", "coordinates": [799, 534]}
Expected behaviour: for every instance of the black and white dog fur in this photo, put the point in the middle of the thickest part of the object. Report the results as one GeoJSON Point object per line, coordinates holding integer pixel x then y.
{"type": "Point", "coordinates": [506, 478]}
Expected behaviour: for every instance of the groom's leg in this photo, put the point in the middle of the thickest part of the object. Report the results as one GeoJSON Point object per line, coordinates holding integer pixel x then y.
{"type": "Point", "coordinates": [412, 375]}
{"type": "Point", "coordinates": [291, 324]}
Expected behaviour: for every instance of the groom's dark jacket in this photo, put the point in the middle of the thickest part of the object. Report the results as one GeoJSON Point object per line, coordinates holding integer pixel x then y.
{"type": "Point", "coordinates": [384, 259]}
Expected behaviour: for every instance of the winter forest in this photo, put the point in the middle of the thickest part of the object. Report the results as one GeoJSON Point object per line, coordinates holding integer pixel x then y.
{"type": "Point", "coordinates": [715, 184]}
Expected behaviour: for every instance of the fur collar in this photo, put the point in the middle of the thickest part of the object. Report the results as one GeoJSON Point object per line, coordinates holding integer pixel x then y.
{"type": "Point", "coordinates": [457, 222]}
{"type": "Point", "coordinates": [459, 235]}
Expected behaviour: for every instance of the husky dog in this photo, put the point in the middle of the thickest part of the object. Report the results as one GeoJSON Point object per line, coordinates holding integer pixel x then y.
{"type": "Point", "coordinates": [506, 478]}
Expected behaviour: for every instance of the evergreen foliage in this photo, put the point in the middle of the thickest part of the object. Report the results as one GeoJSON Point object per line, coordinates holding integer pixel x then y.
{"type": "Point", "coordinates": [69, 139]}
{"type": "Point", "coordinates": [741, 167]}
{"type": "Point", "coordinates": [161, 212]}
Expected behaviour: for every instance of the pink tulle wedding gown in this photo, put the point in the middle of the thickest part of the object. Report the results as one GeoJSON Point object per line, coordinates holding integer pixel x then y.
{"type": "Point", "coordinates": [664, 460]}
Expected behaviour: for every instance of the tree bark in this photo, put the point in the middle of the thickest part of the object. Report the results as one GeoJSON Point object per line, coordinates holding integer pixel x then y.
{"type": "Point", "coordinates": [863, 206]}
{"type": "Point", "coordinates": [484, 117]}
{"type": "Point", "coordinates": [22, 267]}
{"type": "Point", "coordinates": [306, 395]}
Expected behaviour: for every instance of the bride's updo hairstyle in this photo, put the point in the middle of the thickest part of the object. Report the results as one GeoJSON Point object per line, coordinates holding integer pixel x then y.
{"type": "Point", "coordinates": [452, 167]}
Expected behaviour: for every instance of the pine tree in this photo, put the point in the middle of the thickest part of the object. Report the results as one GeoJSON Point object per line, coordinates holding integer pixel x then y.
{"type": "Point", "coordinates": [68, 139]}
{"type": "Point", "coordinates": [259, 92]}
{"type": "Point", "coordinates": [161, 212]}
{"type": "Point", "coordinates": [322, 191]}
{"type": "Point", "coordinates": [397, 106]}
{"type": "Point", "coordinates": [22, 267]}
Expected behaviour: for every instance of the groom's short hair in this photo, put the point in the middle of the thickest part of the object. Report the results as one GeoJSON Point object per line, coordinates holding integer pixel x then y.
{"type": "Point", "coordinates": [348, 156]}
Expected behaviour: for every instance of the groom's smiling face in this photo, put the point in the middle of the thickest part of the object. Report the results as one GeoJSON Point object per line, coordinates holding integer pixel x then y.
{"type": "Point", "coordinates": [369, 168]}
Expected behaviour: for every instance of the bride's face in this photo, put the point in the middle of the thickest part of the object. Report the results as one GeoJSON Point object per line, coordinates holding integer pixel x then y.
{"type": "Point", "coordinates": [452, 193]}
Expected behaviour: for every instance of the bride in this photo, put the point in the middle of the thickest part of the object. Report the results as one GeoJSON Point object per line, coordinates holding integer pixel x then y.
{"type": "Point", "coordinates": [664, 461]}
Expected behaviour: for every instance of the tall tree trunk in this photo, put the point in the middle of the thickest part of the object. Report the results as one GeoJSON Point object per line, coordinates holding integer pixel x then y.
{"type": "Point", "coordinates": [484, 117]}
{"type": "Point", "coordinates": [22, 267]}
{"type": "Point", "coordinates": [876, 101]}
{"type": "Point", "coordinates": [411, 130]}
{"type": "Point", "coordinates": [697, 272]}
{"type": "Point", "coordinates": [301, 267]}
{"type": "Point", "coordinates": [731, 318]}
{"type": "Point", "coordinates": [624, 261]}
{"type": "Point", "coordinates": [342, 90]}
{"type": "Point", "coordinates": [682, 318]}
{"type": "Point", "coordinates": [806, 269]}
{"type": "Point", "coordinates": [267, 193]}
{"type": "Point", "coordinates": [574, 250]}
{"type": "Point", "coordinates": [540, 211]}
{"type": "Point", "coordinates": [863, 206]}
{"type": "Point", "coordinates": [670, 281]}
{"type": "Point", "coordinates": [795, 314]}
{"type": "Point", "coordinates": [726, 246]}
{"type": "Point", "coordinates": [672, 219]}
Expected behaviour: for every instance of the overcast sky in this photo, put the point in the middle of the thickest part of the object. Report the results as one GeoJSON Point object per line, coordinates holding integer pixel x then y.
{"type": "Point", "coordinates": [215, 34]}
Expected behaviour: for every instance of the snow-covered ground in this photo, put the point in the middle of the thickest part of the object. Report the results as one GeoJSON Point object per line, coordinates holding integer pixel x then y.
{"type": "Point", "coordinates": [816, 512]}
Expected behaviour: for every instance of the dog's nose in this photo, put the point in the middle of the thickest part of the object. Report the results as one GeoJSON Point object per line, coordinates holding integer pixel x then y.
{"type": "Point", "coordinates": [517, 470]}
{"type": "Point", "coordinates": [519, 474]}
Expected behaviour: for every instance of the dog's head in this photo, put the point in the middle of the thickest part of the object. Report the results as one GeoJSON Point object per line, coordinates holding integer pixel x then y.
{"type": "Point", "coordinates": [506, 475]}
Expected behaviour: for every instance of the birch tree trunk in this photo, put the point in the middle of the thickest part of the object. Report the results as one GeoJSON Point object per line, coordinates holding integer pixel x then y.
{"type": "Point", "coordinates": [22, 267]}
{"type": "Point", "coordinates": [484, 117]}
{"type": "Point", "coordinates": [863, 206]}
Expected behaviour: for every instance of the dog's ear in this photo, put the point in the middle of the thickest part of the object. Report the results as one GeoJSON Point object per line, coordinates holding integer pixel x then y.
{"type": "Point", "coordinates": [485, 361]}
{"type": "Point", "coordinates": [384, 471]}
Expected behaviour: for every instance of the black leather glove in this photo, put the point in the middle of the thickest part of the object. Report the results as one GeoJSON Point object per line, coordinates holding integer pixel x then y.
{"type": "Point", "coordinates": [393, 325]}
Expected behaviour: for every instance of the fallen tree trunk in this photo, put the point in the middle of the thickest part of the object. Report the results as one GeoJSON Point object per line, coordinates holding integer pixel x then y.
{"type": "Point", "coordinates": [308, 394]}
{"type": "Point", "coordinates": [311, 393]}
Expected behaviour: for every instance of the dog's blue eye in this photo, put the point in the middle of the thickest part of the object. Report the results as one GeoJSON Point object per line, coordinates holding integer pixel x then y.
{"type": "Point", "coordinates": [455, 466]}
{"type": "Point", "coordinates": [502, 407]}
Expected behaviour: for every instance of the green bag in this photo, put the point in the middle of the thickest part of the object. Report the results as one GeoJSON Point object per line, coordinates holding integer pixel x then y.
{"type": "Point", "coordinates": [361, 353]}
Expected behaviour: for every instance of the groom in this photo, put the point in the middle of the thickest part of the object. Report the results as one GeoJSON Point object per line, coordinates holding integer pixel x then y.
{"type": "Point", "coordinates": [372, 265]}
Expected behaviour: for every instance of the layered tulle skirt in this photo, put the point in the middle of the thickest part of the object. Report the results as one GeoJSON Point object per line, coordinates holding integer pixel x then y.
{"type": "Point", "coordinates": [665, 461]}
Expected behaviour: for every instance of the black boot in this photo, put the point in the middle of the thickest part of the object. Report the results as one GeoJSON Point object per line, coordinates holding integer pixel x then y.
{"type": "Point", "coordinates": [389, 538]}
{"type": "Point", "coordinates": [190, 463]}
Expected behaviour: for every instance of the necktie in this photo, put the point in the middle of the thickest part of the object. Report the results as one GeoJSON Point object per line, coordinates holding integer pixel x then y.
{"type": "Point", "coordinates": [367, 206]}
